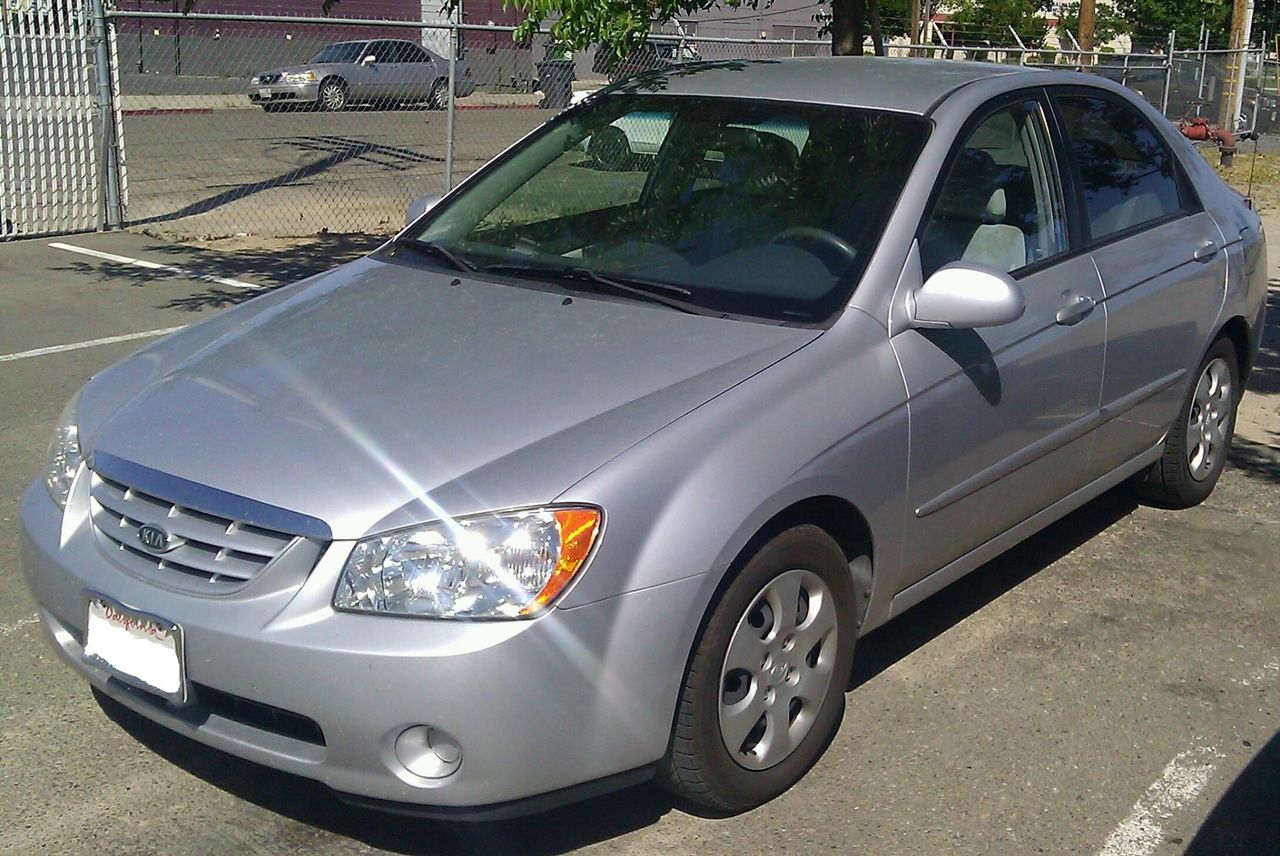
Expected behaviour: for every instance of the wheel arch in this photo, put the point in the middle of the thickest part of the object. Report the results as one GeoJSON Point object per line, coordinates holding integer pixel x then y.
{"type": "Point", "coordinates": [1236, 329]}
{"type": "Point", "coordinates": [836, 516]}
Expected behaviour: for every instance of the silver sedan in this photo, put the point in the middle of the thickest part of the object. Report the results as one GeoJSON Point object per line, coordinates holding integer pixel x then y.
{"type": "Point", "coordinates": [379, 72]}
{"type": "Point", "coordinates": [597, 473]}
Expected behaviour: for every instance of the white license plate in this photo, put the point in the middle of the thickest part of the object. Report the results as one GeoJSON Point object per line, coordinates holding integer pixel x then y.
{"type": "Point", "coordinates": [140, 649]}
{"type": "Point", "coordinates": [264, 93]}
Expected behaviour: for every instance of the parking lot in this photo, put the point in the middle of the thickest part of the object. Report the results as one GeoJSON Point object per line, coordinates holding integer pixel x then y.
{"type": "Point", "coordinates": [1111, 686]}
{"type": "Point", "coordinates": [218, 172]}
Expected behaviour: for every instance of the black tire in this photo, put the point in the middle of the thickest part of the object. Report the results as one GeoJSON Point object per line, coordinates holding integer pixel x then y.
{"type": "Point", "coordinates": [1173, 481]}
{"type": "Point", "coordinates": [609, 148]}
{"type": "Point", "coordinates": [699, 766]}
{"type": "Point", "coordinates": [437, 98]}
{"type": "Point", "coordinates": [332, 96]}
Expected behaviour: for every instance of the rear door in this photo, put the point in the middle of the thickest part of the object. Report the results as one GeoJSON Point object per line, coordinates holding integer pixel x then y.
{"type": "Point", "coordinates": [1160, 258]}
{"type": "Point", "coordinates": [1000, 417]}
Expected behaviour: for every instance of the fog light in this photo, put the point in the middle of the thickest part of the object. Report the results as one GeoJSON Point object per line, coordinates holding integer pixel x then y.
{"type": "Point", "coordinates": [428, 752]}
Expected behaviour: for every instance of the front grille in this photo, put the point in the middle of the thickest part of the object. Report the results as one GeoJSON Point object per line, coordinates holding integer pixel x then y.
{"type": "Point", "coordinates": [209, 553]}
{"type": "Point", "coordinates": [268, 78]}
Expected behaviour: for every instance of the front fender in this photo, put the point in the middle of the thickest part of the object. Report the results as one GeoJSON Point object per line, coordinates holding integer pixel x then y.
{"type": "Point", "coordinates": [828, 420]}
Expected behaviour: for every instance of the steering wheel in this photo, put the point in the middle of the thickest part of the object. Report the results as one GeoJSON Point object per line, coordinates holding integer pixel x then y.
{"type": "Point", "coordinates": [802, 234]}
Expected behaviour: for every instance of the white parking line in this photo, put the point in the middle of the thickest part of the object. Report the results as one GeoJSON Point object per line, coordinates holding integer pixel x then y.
{"type": "Point", "coordinates": [91, 343]}
{"type": "Point", "coordinates": [1142, 832]}
{"type": "Point", "coordinates": [148, 265]}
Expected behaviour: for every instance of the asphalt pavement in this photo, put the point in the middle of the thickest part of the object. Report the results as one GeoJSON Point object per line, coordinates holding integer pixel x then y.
{"type": "Point", "coordinates": [1111, 686]}
{"type": "Point", "coordinates": [220, 173]}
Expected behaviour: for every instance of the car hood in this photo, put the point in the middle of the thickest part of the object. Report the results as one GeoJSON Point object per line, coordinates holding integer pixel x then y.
{"type": "Point", "coordinates": [380, 395]}
{"type": "Point", "coordinates": [306, 66]}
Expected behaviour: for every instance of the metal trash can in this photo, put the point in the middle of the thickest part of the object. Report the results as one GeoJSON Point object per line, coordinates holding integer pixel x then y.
{"type": "Point", "coordinates": [555, 79]}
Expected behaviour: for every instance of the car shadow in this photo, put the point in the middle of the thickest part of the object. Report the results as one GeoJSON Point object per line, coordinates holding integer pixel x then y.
{"type": "Point", "coordinates": [1244, 821]}
{"type": "Point", "coordinates": [887, 645]}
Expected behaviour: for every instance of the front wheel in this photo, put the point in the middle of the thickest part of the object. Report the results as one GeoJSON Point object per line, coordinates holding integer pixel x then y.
{"type": "Point", "coordinates": [332, 97]}
{"type": "Point", "coordinates": [764, 691]}
{"type": "Point", "coordinates": [1195, 450]}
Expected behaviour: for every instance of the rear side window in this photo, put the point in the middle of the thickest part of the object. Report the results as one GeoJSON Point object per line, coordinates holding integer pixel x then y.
{"type": "Point", "coordinates": [1127, 175]}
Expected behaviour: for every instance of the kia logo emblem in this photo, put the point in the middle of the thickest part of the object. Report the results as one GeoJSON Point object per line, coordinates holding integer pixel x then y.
{"type": "Point", "coordinates": [153, 538]}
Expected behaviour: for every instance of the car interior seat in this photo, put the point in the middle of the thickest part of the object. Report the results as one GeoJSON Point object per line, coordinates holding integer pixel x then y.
{"type": "Point", "coordinates": [969, 222]}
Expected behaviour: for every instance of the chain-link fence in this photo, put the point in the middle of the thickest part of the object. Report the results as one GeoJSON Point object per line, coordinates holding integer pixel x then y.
{"type": "Point", "coordinates": [290, 126]}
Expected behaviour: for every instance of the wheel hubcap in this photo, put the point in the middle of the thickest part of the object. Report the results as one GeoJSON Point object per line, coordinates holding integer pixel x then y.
{"type": "Point", "coordinates": [778, 669]}
{"type": "Point", "coordinates": [332, 97]}
{"type": "Point", "coordinates": [1210, 419]}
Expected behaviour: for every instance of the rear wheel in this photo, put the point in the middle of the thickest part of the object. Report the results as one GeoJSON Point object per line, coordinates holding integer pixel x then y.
{"type": "Point", "coordinates": [436, 98]}
{"type": "Point", "coordinates": [332, 97]}
{"type": "Point", "coordinates": [764, 690]}
{"type": "Point", "coordinates": [1196, 447]}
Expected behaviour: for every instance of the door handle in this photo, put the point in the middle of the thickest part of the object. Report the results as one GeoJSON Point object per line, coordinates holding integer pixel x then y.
{"type": "Point", "coordinates": [1206, 251]}
{"type": "Point", "coordinates": [1075, 311]}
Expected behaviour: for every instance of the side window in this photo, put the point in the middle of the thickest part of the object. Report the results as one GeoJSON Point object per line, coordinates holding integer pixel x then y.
{"type": "Point", "coordinates": [413, 53]}
{"type": "Point", "coordinates": [1001, 202]}
{"type": "Point", "coordinates": [401, 52]}
{"type": "Point", "coordinates": [1126, 172]}
{"type": "Point", "coordinates": [381, 50]}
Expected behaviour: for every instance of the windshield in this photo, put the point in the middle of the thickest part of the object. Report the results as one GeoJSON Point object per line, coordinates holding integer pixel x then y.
{"type": "Point", "coordinates": [766, 209]}
{"type": "Point", "coordinates": [341, 52]}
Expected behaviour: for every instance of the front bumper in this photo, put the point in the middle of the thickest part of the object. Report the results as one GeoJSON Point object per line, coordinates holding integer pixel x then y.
{"type": "Point", "coordinates": [537, 706]}
{"type": "Point", "coordinates": [284, 93]}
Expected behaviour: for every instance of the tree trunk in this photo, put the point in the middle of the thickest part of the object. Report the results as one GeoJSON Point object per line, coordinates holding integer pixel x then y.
{"type": "Point", "coordinates": [913, 24]}
{"type": "Point", "coordinates": [848, 27]}
{"type": "Point", "coordinates": [873, 19]}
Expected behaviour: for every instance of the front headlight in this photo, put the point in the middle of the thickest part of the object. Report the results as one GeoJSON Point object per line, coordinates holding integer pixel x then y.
{"type": "Point", "coordinates": [64, 454]}
{"type": "Point", "coordinates": [506, 565]}
{"type": "Point", "coordinates": [300, 77]}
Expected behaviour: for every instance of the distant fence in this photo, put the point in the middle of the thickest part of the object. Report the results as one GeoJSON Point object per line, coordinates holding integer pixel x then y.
{"type": "Point", "coordinates": [200, 131]}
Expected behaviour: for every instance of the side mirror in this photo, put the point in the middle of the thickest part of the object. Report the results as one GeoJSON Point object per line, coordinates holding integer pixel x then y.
{"type": "Point", "coordinates": [369, 60]}
{"type": "Point", "coordinates": [964, 296]}
{"type": "Point", "coordinates": [421, 206]}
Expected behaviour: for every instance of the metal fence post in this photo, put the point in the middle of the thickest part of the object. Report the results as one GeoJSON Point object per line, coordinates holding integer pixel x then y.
{"type": "Point", "coordinates": [1168, 76]}
{"type": "Point", "coordinates": [106, 115]}
{"type": "Point", "coordinates": [448, 145]}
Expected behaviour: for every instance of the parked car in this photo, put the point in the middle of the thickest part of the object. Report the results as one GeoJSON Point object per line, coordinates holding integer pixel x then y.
{"type": "Point", "coordinates": [383, 72]}
{"type": "Point", "coordinates": [592, 477]}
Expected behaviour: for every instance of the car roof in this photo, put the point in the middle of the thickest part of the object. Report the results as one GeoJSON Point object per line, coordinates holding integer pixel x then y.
{"type": "Point", "coordinates": [888, 83]}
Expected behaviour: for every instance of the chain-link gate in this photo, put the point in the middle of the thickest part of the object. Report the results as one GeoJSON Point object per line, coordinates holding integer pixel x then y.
{"type": "Point", "coordinates": [49, 167]}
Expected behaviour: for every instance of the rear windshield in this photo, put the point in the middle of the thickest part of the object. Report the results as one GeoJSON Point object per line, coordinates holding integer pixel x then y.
{"type": "Point", "coordinates": [341, 52]}
{"type": "Point", "coordinates": [767, 209]}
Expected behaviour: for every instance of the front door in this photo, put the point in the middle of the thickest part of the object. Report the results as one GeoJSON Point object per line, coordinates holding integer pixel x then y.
{"type": "Point", "coordinates": [1000, 417]}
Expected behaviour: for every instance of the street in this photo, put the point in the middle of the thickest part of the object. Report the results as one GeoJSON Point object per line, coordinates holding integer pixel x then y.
{"type": "Point", "coordinates": [1111, 686]}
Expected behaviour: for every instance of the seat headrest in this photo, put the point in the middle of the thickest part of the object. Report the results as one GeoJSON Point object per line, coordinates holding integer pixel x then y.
{"type": "Point", "coordinates": [971, 192]}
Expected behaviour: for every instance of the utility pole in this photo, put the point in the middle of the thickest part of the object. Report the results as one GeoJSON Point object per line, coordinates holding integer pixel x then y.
{"type": "Point", "coordinates": [913, 28]}
{"type": "Point", "coordinates": [1084, 29]}
{"type": "Point", "coordinates": [1233, 94]}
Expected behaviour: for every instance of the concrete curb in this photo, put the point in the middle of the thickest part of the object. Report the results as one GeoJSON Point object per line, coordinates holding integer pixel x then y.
{"type": "Point", "coordinates": [165, 105]}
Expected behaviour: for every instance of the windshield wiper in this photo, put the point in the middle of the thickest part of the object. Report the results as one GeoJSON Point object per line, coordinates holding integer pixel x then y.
{"type": "Point", "coordinates": [645, 289]}
{"type": "Point", "coordinates": [439, 251]}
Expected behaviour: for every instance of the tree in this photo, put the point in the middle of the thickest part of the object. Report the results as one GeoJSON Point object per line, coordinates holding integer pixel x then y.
{"type": "Point", "coordinates": [624, 24]}
{"type": "Point", "coordinates": [984, 22]}
{"type": "Point", "coordinates": [1152, 20]}
{"type": "Point", "coordinates": [1107, 23]}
